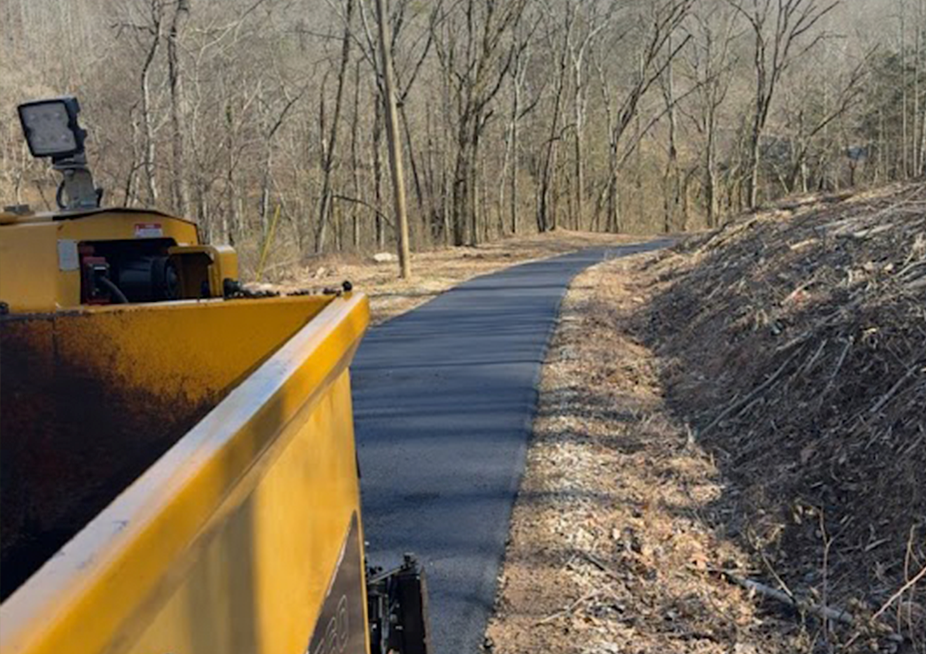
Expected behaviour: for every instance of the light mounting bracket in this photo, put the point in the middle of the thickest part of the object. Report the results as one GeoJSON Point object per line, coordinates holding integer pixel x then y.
{"type": "Point", "coordinates": [52, 131]}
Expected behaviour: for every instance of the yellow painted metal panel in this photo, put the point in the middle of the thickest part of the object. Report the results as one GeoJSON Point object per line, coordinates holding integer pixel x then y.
{"type": "Point", "coordinates": [209, 520]}
{"type": "Point", "coordinates": [115, 224]}
{"type": "Point", "coordinates": [93, 397]}
{"type": "Point", "coordinates": [30, 275]}
{"type": "Point", "coordinates": [188, 349]}
{"type": "Point", "coordinates": [259, 584]}
{"type": "Point", "coordinates": [29, 278]}
{"type": "Point", "coordinates": [222, 264]}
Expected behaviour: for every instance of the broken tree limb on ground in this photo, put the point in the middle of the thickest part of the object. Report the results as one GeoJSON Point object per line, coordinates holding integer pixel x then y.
{"type": "Point", "coordinates": [804, 606]}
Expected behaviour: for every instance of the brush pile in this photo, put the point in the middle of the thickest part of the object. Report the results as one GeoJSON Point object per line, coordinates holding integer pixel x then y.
{"type": "Point", "coordinates": [793, 341]}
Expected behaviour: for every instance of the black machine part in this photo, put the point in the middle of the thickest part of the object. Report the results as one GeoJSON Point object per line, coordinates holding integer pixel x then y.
{"type": "Point", "coordinates": [397, 605]}
{"type": "Point", "coordinates": [149, 279]}
{"type": "Point", "coordinates": [98, 288]}
{"type": "Point", "coordinates": [131, 271]}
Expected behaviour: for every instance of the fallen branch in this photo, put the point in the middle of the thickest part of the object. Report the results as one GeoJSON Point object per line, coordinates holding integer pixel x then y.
{"type": "Point", "coordinates": [900, 382]}
{"type": "Point", "coordinates": [842, 358]}
{"type": "Point", "coordinates": [570, 608]}
{"type": "Point", "coordinates": [598, 563]}
{"type": "Point", "coordinates": [903, 589]}
{"type": "Point", "coordinates": [758, 390]}
{"type": "Point", "coordinates": [804, 606]}
{"type": "Point", "coordinates": [893, 598]}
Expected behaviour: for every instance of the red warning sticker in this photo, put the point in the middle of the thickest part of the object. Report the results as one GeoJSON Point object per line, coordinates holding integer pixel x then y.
{"type": "Point", "coordinates": [148, 230]}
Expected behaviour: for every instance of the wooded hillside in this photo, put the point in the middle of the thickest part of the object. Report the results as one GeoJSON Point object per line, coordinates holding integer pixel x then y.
{"type": "Point", "coordinates": [516, 115]}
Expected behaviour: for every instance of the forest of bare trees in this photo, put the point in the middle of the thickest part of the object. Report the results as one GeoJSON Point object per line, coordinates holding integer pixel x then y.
{"type": "Point", "coordinates": [514, 115]}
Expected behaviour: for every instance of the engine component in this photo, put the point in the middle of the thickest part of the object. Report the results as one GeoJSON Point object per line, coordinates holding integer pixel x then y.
{"type": "Point", "coordinates": [94, 270]}
{"type": "Point", "coordinates": [397, 605]}
{"type": "Point", "coordinates": [149, 279]}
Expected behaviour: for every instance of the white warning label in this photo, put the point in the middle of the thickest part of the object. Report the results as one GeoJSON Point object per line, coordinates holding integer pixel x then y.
{"type": "Point", "coordinates": [148, 230]}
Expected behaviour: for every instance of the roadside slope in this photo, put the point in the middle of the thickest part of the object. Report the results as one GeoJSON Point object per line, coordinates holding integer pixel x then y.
{"type": "Point", "coordinates": [748, 407]}
{"type": "Point", "coordinates": [795, 344]}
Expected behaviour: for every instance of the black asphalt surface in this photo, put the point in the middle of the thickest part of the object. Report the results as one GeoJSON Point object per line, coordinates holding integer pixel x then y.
{"type": "Point", "coordinates": [444, 398]}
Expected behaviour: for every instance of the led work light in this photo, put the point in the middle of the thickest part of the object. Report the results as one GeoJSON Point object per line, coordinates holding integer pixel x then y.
{"type": "Point", "coordinates": [51, 128]}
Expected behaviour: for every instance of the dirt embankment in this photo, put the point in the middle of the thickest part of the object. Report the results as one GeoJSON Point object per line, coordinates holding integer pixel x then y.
{"type": "Point", "coordinates": [731, 451]}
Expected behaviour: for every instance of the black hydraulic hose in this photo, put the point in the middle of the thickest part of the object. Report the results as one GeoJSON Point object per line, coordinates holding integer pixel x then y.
{"type": "Point", "coordinates": [59, 196]}
{"type": "Point", "coordinates": [114, 290]}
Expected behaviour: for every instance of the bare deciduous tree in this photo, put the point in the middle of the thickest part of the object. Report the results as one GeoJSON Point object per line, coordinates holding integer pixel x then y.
{"type": "Point", "coordinates": [779, 27]}
{"type": "Point", "coordinates": [589, 114]}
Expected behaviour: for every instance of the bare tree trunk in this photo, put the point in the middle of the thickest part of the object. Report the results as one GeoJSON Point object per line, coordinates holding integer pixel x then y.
{"type": "Point", "coordinates": [179, 185]}
{"type": "Point", "coordinates": [230, 221]}
{"type": "Point", "coordinates": [412, 159]}
{"type": "Point", "coordinates": [917, 67]}
{"type": "Point", "coordinates": [463, 205]}
{"type": "Point", "coordinates": [752, 179]}
{"type": "Point", "coordinates": [331, 143]}
{"type": "Point", "coordinates": [610, 191]}
{"type": "Point", "coordinates": [905, 152]}
{"type": "Point", "coordinates": [434, 220]}
{"type": "Point", "coordinates": [579, 171]}
{"type": "Point", "coordinates": [394, 141]}
{"type": "Point", "coordinates": [772, 53]}
{"type": "Point", "coordinates": [671, 178]}
{"type": "Point", "coordinates": [881, 168]}
{"type": "Point", "coordinates": [521, 58]}
{"type": "Point", "coordinates": [546, 215]}
{"type": "Point", "coordinates": [710, 169]}
{"type": "Point", "coordinates": [484, 197]}
{"type": "Point", "coordinates": [638, 172]}
{"type": "Point", "coordinates": [515, 164]}
{"type": "Point", "coordinates": [922, 169]}
{"type": "Point", "coordinates": [447, 228]}
{"type": "Point", "coordinates": [378, 174]}
{"type": "Point", "coordinates": [147, 112]}
{"type": "Point", "coordinates": [355, 162]}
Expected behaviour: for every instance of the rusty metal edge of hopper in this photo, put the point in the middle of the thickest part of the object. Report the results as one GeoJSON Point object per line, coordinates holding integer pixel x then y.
{"type": "Point", "coordinates": [120, 558]}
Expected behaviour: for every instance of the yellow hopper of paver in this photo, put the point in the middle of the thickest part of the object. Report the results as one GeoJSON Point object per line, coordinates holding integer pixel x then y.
{"type": "Point", "coordinates": [177, 463]}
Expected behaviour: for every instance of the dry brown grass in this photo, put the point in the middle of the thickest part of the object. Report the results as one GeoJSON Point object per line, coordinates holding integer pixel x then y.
{"type": "Point", "coordinates": [434, 272]}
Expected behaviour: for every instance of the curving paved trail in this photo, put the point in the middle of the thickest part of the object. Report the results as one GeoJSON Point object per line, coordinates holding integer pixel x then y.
{"type": "Point", "coordinates": [444, 397]}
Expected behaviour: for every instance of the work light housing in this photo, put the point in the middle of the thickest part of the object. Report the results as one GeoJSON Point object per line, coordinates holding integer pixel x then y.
{"type": "Point", "coordinates": [51, 128]}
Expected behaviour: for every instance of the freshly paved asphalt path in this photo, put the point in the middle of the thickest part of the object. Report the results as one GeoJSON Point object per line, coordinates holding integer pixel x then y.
{"type": "Point", "coordinates": [444, 398]}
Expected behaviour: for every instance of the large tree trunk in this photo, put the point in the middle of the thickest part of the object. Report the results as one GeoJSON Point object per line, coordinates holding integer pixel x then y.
{"type": "Point", "coordinates": [463, 207]}
{"type": "Point", "coordinates": [412, 161]}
